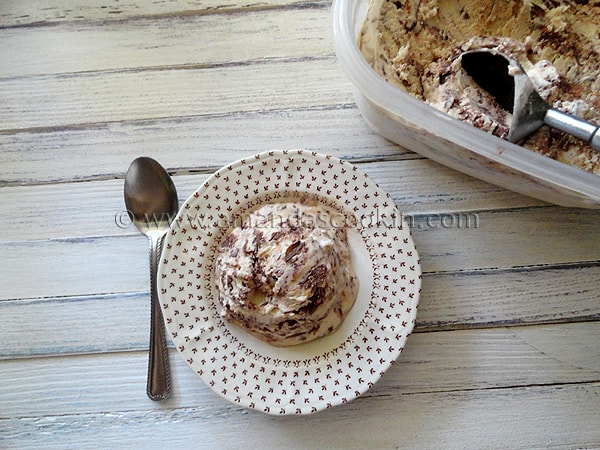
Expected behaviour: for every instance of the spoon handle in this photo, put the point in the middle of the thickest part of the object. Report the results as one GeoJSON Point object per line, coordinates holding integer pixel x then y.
{"type": "Point", "coordinates": [158, 386]}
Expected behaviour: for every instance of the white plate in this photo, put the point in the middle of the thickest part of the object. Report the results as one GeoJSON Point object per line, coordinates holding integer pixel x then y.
{"type": "Point", "coordinates": [309, 377]}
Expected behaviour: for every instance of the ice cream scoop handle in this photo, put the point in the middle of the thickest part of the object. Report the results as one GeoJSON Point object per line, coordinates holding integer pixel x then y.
{"type": "Point", "coordinates": [574, 126]}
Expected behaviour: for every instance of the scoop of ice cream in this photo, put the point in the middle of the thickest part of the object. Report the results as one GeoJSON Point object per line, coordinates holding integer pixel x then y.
{"type": "Point", "coordinates": [285, 274]}
{"type": "Point", "coordinates": [416, 46]}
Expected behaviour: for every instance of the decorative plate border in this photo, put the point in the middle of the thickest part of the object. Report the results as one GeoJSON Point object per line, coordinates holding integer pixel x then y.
{"type": "Point", "coordinates": [329, 371]}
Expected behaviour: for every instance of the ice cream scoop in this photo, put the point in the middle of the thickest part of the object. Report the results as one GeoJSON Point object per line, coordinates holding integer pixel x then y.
{"type": "Point", "coordinates": [505, 79]}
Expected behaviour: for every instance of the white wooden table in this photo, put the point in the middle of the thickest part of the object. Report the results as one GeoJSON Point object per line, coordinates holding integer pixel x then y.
{"type": "Point", "coordinates": [506, 351]}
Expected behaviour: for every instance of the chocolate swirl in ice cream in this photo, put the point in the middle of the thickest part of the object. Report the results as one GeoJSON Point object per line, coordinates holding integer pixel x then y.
{"type": "Point", "coordinates": [416, 45]}
{"type": "Point", "coordinates": [285, 274]}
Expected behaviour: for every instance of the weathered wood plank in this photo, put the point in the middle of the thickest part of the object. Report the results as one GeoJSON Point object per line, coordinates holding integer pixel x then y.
{"type": "Point", "coordinates": [119, 322]}
{"type": "Point", "coordinates": [75, 325]}
{"type": "Point", "coordinates": [469, 359]}
{"type": "Point", "coordinates": [45, 12]}
{"type": "Point", "coordinates": [74, 267]}
{"type": "Point", "coordinates": [484, 298]}
{"type": "Point", "coordinates": [523, 417]}
{"type": "Point", "coordinates": [203, 143]}
{"type": "Point", "coordinates": [83, 99]}
{"type": "Point", "coordinates": [495, 384]}
{"type": "Point", "coordinates": [56, 211]}
{"type": "Point", "coordinates": [183, 42]}
{"type": "Point", "coordinates": [533, 237]}
{"type": "Point", "coordinates": [96, 265]}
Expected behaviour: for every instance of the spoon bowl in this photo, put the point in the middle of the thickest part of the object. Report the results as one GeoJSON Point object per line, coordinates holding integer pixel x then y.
{"type": "Point", "coordinates": [151, 201]}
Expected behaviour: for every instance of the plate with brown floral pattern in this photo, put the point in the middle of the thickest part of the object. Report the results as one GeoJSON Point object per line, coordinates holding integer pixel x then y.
{"type": "Point", "coordinates": [320, 374]}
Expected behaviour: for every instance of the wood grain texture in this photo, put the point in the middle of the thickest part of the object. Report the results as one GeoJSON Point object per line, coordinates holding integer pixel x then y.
{"type": "Point", "coordinates": [183, 83]}
{"type": "Point", "coordinates": [551, 236]}
{"type": "Point", "coordinates": [75, 101]}
{"type": "Point", "coordinates": [419, 187]}
{"type": "Point", "coordinates": [466, 419]}
{"type": "Point", "coordinates": [469, 359]}
{"type": "Point", "coordinates": [200, 144]}
{"type": "Point", "coordinates": [45, 12]}
{"type": "Point", "coordinates": [450, 301]}
{"type": "Point", "coordinates": [200, 41]}
{"type": "Point", "coordinates": [467, 406]}
{"type": "Point", "coordinates": [505, 351]}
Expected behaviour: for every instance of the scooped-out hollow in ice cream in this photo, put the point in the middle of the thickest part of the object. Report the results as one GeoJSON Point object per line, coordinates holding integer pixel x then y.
{"type": "Point", "coordinates": [417, 45]}
{"type": "Point", "coordinates": [285, 275]}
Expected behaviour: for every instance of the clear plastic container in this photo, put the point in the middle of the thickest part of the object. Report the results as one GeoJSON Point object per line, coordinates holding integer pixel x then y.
{"type": "Point", "coordinates": [417, 126]}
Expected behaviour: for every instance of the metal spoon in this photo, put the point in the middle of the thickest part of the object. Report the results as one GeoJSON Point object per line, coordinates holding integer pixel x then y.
{"type": "Point", "coordinates": [151, 201]}
{"type": "Point", "coordinates": [507, 82]}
